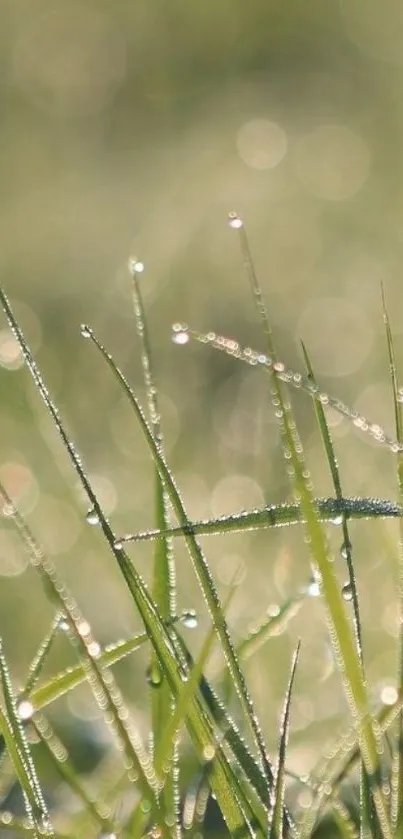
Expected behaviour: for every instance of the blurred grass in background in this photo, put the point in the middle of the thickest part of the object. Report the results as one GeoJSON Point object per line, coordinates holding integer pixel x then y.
{"type": "Point", "coordinates": [130, 129]}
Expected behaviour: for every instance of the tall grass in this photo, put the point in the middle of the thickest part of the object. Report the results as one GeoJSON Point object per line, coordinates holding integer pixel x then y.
{"type": "Point", "coordinates": [250, 786]}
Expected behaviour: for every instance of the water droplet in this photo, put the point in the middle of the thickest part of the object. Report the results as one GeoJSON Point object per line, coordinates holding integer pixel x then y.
{"type": "Point", "coordinates": [337, 520]}
{"type": "Point", "coordinates": [25, 709]}
{"type": "Point", "coordinates": [135, 266]}
{"type": "Point", "coordinates": [92, 517]}
{"type": "Point", "coordinates": [234, 220]}
{"type": "Point", "coordinates": [85, 330]}
{"type": "Point", "coordinates": [145, 806]}
{"type": "Point", "coordinates": [83, 628]}
{"type": "Point", "coordinates": [189, 618]}
{"type": "Point", "coordinates": [118, 545]}
{"type": "Point", "coordinates": [345, 550]}
{"type": "Point", "coordinates": [209, 752]}
{"type": "Point", "coordinates": [180, 333]}
{"type": "Point", "coordinates": [313, 587]}
{"type": "Point", "coordinates": [347, 592]}
{"type": "Point", "coordinates": [154, 675]}
{"type": "Point", "coordinates": [389, 694]}
{"type": "Point", "coordinates": [94, 649]}
{"type": "Point", "coordinates": [63, 624]}
{"type": "Point", "coordinates": [400, 394]}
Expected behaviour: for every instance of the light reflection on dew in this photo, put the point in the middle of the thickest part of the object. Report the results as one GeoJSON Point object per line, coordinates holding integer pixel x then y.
{"type": "Point", "coordinates": [25, 709]}
{"type": "Point", "coordinates": [180, 333]}
{"type": "Point", "coordinates": [389, 695]}
{"type": "Point", "coordinates": [234, 220]}
{"type": "Point", "coordinates": [135, 266]}
{"type": "Point", "coordinates": [85, 330]}
{"type": "Point", "coordinates": [92, 517]}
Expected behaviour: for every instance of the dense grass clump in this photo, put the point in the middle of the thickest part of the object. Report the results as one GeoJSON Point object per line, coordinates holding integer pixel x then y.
{"type": "Point", "coordinates": [254, 793]}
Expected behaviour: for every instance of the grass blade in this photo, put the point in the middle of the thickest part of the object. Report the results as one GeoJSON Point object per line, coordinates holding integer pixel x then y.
{"type": "Point", "coordinates": [276, 819]}
{"type": "Point", "coordinates": [397, 765]}
{"type": "Point", "coordinates": [276, 515]}
{"type": "Point", "coordinates": [20, 753]}
{"type": "Point", "coordinates": [164, 582]}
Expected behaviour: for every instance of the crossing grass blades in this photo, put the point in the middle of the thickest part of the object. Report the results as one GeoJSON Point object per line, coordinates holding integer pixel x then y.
{"type": "Point", "coordinates": [247, 783]}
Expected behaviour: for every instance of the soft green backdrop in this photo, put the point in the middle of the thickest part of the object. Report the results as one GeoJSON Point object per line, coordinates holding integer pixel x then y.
{"type": "Point", "coordinates": [130, 129]}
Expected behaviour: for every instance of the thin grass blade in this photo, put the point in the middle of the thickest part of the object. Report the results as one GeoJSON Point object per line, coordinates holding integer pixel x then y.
{"type": "Point", "coordinates": [276, 817]}
{"type": "Point", "coordinates": [397, 763]}
{"type": "Point", "coordinates": [276, 515]}
{"type": "Point", "coordinates": [20, 754]}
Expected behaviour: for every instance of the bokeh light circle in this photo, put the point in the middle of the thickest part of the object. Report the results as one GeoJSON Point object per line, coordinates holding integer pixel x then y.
{"type": "Point", "coordinates": [332, 162]}
{"type": "Point", "coordinates": [261, 144]}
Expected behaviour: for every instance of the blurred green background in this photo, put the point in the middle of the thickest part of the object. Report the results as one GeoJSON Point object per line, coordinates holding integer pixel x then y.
{"type": "Point", "coordinates": [131, 129]}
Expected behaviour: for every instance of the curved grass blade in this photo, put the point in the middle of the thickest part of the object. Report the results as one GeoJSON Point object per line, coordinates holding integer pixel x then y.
{"type": "Point", "coordinates": [397, 763]}
{"type": "Point", "coordinates": [234, 810]}
{"type": "Point", "coordinates": [18, 748]}
{"type": "Point", "coordinates": [182, 333]}
{"type": "Point", "coordinates": [342, 641]}
{"type": "Point", "coordinates": [277, 515]}
{"type": "Point", "coordinates": [276, 817]}
{"type": "Point", "coordinates": [199, 563]}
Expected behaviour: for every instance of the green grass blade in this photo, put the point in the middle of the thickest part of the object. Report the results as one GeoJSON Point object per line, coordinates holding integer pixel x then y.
{"type": "Point", "coordinates": [164, 582]}
{"type": "Point", "coordinates": [343, 643]}
{"type": "Point", "coordinates": [18, 748]}
{"type": "Point", "coordinates": [276, 818]}
{"type": "Point", "coordinates": [334, 471]}
{"type": "Point", "coordinates": [367, 814]}
{"type": "Point", "coordinates": [397, 781]}
{"type": "Point", "coordinates": [39, 660]}
{"type": "Point", "coordinates": [276, 515]}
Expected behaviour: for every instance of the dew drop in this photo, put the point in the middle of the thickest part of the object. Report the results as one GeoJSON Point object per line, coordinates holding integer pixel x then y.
{"type": "Point", "coordinates": [154, 675]}
{"type": "Point", "coordinates": [180, 333]}
{"type": "Point", "coordinates": [92, 517]}
{"type": "Point", "coordinates": [347, 592]}
{"type": "Point", "coordinates": [135, 266]}
{"type": "Point", "coordinates": [118, 545]}
{"type": "Point", "coordinates": [85, 330]}
{"type": "Point", "coordinates": [313, 587]}
{"type": "Point", "coordinates": [189, 619]}
{"type": "Point", "coordinates": [63, 624]}
{"type": "Point", "coordinates": [389, 694]}
{"type": "Point", "coordinates": [345, 550]}
{"type": "Point", "coordinates": [25, 709]}
{"type": "Point", "coordinates": [234, 220]}
{"type": "Point", "coordinates": [337, 520]}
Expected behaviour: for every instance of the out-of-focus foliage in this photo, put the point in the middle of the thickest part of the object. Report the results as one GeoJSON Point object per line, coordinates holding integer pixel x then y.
{"type": "Point", "coordinates": [130, 129]}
